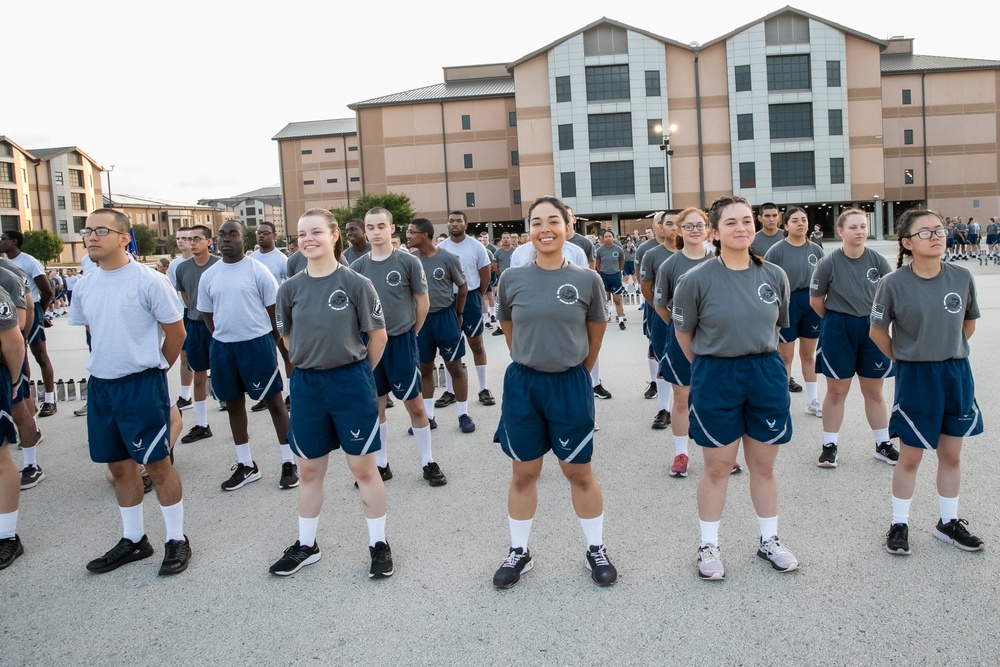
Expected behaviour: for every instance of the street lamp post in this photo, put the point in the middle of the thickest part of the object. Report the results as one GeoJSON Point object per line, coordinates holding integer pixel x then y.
{"type": "Point", "coordinates": [111, 202]}
{"type": "Point", "coordinates": [667, 152]}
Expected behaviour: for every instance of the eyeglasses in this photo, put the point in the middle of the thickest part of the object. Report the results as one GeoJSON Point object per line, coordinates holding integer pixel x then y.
{"type": "Point", "coordinates": [927, 233]}
{"type": "Point", "coordinates": [195, 239]}
{"type": "Point", "coordinates": [689, 227]}
{"type": "Point", "coordinates": [100, 231]}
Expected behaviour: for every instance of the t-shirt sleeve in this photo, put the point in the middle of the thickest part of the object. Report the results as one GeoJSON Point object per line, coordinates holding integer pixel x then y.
{"type": "Point", "coordinates": [8, 313]}
{"type": "Point", "coordinates": [820, 283]}
{"type": "Point", "coordinates": [661, 295]}
{"type": "Point", "coordinates": [205, 304]}
{"type": "Point", "coordinates": [503, 308]}
{"type": "Point", "coordinates": [369, 307]}
{"type": "Point", "coordinates": [482, 256]}
{"type": "Point", "coordinates": [283, 311]}
{"type": "Point", "coordinates": [646, 269]}
{"type": "Point", "coordinates": [596, 311]}
{"type": "Point", "coordinates": [76, 315]}
{"type": "Point", "coordinates": [455, 266]}
{"type": "Point", "coordinates": [162, 302]}
{"type": "Point", "coordinates": [36, 268]}
{"type": "Point", "coordinates": [972, 309]}
{"type": "Point", "coordinates": [882, 305]}
{"type": "Point", "coordinates": [783, 291]}
{"type": "Point", "coordinates": [418, 279]}
{"type": "Point", "coordinates": [266, 285]}
{"type": "Point", "coordinates": [685, 312]}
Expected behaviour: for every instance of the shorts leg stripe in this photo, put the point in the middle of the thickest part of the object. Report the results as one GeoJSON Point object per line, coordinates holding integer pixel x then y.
{"type": "Point", "coordinates": [777, 437]}
{"type": "Point", "coordinates": [888, 371]}
{"type": "Point", "coordinates": [826, 363]}
{"type": "Point", "coordinates": [152, 446]}
{"type": "Point", "coordinates": [510, 450]}
{"type": "Point", "coordinates": [478, 330]}
{"type": "Point", "coordinates": [704, 430]}
{"type": "Point", "coordinates": [371, 438]}
{"type": "Point", "coordinates": [583, 443]}
{"type": "Point", "coordinates": [270, 382]}
{"type": "Point", "coordinates": [975, 422]}
{"type": "Point", "coordinates": [923, 441]}
{"type": "Point", "coordinates": [781, 339]}
{"type": "Point", "coordinates": [294, 445]}
{"type": "Point", "coordinates": [413, 383]}
{"type": "Point", "coordinates": [453, 354]}
{"type": "Point", "coordinates": [34, 336]}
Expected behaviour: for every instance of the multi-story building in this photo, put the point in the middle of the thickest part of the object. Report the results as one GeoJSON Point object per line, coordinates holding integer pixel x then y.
{"type": "Point", "coordinates": [67, 188]}
{"type": "Point", "coordinates": [251, 208]}
{"type": "Point", "coordinates": [17, 168]}
{"type": "Point", "coordinates": [164, 217]}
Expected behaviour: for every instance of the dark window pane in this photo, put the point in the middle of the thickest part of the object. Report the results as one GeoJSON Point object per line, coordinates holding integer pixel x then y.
{"type": "Point", "coordinates": [610, 130]}
{"type": "Point", "coordinates": [907, 96]}
{"type": "Point", "coordinates": [742, 77]}
{"type": "Point", "coordinates": [657, 182]}
{"type": "Point", "coordinates": [836, 170]}
{"type": "Point", "coordinates": [790, 121]}
{"type": "Point", "coordinates": [748, 175]}
{"type": "Point", "coordinates": [470, 199]}
{"type": "Point", "coordinates": [907, 137]}
{"type": "Point", "coordinates": [517, 196]}
{"type": "Point", "coordinates": [788, 72]}
{"type": "Point", "coordinates": [654, 131]}
{"type": "Point", "coordinates": [466, 122]}
{"type": "Point", "coordinates": [566, 137]}
{"type": "Point", "coordinates": [563, 90]}
{"type": "Point", "coordinates": [744, 126]}
{"type": "Point", "coordinates": [652, 83]}
{"type": "Point", "coordinates": [792, 169]}
{"type": "Point", "coordinates": [833, 74]}
{"type": "Point", "coordinates": [468, 160]}
{"type": "Point", "coordinates": [836, 122]}
{"type": "Point", "coordinates": [609, 82]}
{"type": "Point", "coordinates": [612, 178]}
{"type": "Point", "coordinates": [307, 151]}
{"type": "Point", "coordinates": [514, 159]}
{"type": "Point", "coordinates": [512, 118]}
{"type": "Point", "coordinates": [568, 181]}
{"type": "Point", "coordinates": [908, 177]}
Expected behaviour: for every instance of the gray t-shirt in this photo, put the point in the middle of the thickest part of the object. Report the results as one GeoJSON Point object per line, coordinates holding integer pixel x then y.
{"type": "Point", "coordinates": [927, 314]}
{"type": "Point", "coordinates": [629, 254]}
{"type": "Point", "coordinates": [651, 261]}
{"type": "Point", "coordinates": [586, 245]}
{"type": "Point", "coordinates": [643, 248]}
{"type": "Point", "coordinates": [396, 279]}
{"type": "Point", "coordinates": [275, 261]}
{"type": "Point", "coordinates": [762, 242]}
{"type": "Point", "coordinates": [443, 272]}
{"type": "Point", "coordinates": [172, 270]}
{"type": "Point", "coordinates": [238, 295]}
{"type": "Point", "coordinates": [295, 263]}
{"type": "Point", "coordinates": [849, 284]}
{"type": "Point", "coordinates": [503, 259]}
{"type": "Point", "coordinates": [188, 276]}
{"type": "Point", "coordinates": [798, 262]}
{"type": "Point", "coordinates": [733, 313]}
{"type": "Point", "coordinates": [123, 309]}
{"type": "Point", "coordinates": [670, 272]}
{"type": "Point", "coordinates": [21, 276]}
{"type": "Point", "coordinates": [324, 317]}
{"type": "Point", "coordinates": [549, 311]}
{"type": "Point", "coordinates": [33, 268]}
{"type": "Point", "coordinates": [14, 286]}
{"type": "Point", "coordinates": [350, 255]}
{"type": "Point", "coordinates": [609, 259]}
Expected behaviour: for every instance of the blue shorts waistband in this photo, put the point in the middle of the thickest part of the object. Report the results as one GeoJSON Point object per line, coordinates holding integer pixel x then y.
{"type": "Point", "coordinates": [132, 376]}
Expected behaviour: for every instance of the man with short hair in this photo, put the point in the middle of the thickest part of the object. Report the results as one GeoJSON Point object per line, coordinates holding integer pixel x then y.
{"type": "Point", "coordinates": [502, 257]}
{"type": "Point", "coordinates": [357, 244]}
{"type": "Point", "coordinates": [489, 305]}
{"type": "Point", "coordinates": [181, 238]}
{"type": "Point", "coordinates": [770, 232]}
{"type": "Point", "coordinates": [664, 231]}
{"type": "Point", "coordinates": [268, 255]}
{"type": "Point", "coordinates": [135, 322]}
{"type": "Point", "coordinates": [296, 260]}
{"type": "Point", "coordinates": [42, 294]}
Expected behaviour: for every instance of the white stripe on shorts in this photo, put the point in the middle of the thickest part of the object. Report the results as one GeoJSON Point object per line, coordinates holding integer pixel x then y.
{"type": "Point", "coordinates": [583, 443]}
{"type": "Point", "coordinates": [694, 412]}
{"type": "Point", "coordinates": [152, 446]}
{"type": "Point", "coordinates": [923, 441]}
{"type": "Point", "coordinates": [371, 438]}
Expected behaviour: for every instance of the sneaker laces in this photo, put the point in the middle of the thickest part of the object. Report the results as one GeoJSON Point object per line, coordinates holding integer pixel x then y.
{"type": "Point", "coordinates": [710, 553]}
{"type": "Point", "coordinates": [958, 527]}
{"type": "Point", "coordinates": [600, 556]}
{"type": "Point", "coordinates": [513, 558]}
{"type": "Point", "coordinates": [773, 547]}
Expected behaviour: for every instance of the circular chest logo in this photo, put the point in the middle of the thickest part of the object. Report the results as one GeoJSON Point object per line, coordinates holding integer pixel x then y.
{"type": "Point", "coordinates": [873, 275]}
{"type": "Point", "coordinates": [615, 254]}
{"type": "Point", "coordinates": [568, 294]}
{"type": "Point", "coordinates": [438, 273]}
{"type": "Point", "coordinates": [394, 279]}
{"type": "Point", "coordinates": [953, 303]}
{"type": "Point", "coordinates": [813, 259]}
{"type": "Point", "coordinates": [767, 294]}
{"type": "Point", "coordinates": [338, 300]}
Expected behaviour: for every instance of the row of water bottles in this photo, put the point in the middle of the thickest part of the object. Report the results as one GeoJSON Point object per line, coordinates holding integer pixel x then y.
{"type": "Point", "coordinates": [70, 390]}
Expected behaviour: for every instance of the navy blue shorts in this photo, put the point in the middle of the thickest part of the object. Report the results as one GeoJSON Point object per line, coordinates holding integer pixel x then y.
{"type": "Point", "coordinates": [973, 239]}
{"type": "Point", "coordinates": [129, 417]}
{"type": "Point", "coordinates": [991, 239]}
{"type": "Point", "coordinates": [612, 283]}
{"type": "Point", "coordinates": [198, 345]}
{"type": "Point", "coordinates": [543, 411]}
{"type": "Point", "coordinates": [472, 316]}
{"type": "Point", "coordinates": [37, 332]}
{"type": "Point", "coordinates": [249, 366]}
{"type": "Point", "coordinates": [845, 349]}
{"type": "Point", "coordinates": [934, 398]}
{"type": "Point", "coordinates": [951, 242]}
{"type": "Point", "coordinates": [399, 369]}
{"type": "Point", "coordinates": [22, 390]}
{"type": "Point", "coordinates": [674, 366]}
{"type": "Point", "coordinates": [441, 333]}
{"type": "Point", "coordinates": [628, 269]}
{"type": "Point", "coordinates": [658, 330]}
{"type": "Point", "coordinates": [803, 321]}
{"type": "Point", "coordinates": [733, 397]}
{"type": "Point", "coordinates": [334, 408]}
{"type": "Point", "coordinates": [8, 433]}
{"type": "Point", "coordinates": [184, 319]}
{"type": "Point", "coordinates": [494, 279]}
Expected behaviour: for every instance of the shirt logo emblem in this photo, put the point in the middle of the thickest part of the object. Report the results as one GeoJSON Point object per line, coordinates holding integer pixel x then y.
{"type": "Point", "coordinates": [767, 293]}
{"type": "Point", "coordinates": [873, 275]}
{"type": "Point", "coordinates": [568, 294]}
{"type": "Point", "coordinates": [878, 311]}
{"type": "Point", "coordinates": [813, 259]}
{"type": "Point", "coordinates": [678, 315]}
{"type": "Point", "coordinates": [6, 312]}
{"type": "Point", "coordinates": [377, 309]}
{"type": "Point", "coordinates": [952, 303]}
{"type": "Point", "coordinates": [393, 279]}
{"type": "Point", "coordinates": [338, 300]}
{"type": "Point", "coordinates": [438, 273]}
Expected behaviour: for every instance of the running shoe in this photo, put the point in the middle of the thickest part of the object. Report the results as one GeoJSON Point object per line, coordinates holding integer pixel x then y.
{"type": "Point", "coordinates": [433, 425]}
{"type": "Point", "coordinates": [955, 532]}
{"type": "Point", "coordinates": [487, 325]}
{"type": "Point", "coordinates": [381, 561]}
{"type": "Point", "coordinates": [447, 398]}
{"type": "Point", "coordinates": [737, 469]}
{"type": "Point", "coordinates": [814, 408]}
{"type": "Point", "coordinates": [184, 404]}
{"type": "Point", "coordinates": [466, 424]}
{"type": "Point", "coordinates": [621, 325]}
{"type": "Point", "coordinates": [124, 552]}
{"type": "Point", "coordinates": [48, 409]}
{"type": "Point", "coordinates": [147, 484]}
{"type": "Point", "coordinates": [486, 398]}
{"type": "Point", "coordinates": [828, 457]}
{"type": "Point", "coordinates": [794, 386]}
{"type": "Point", "coordinates": [680, 466]}
{"type": "Point", "coordinates": [242, 475]}
{"type": "Point", "coordinates": [31, 476]}
{"type": "Point", "coordinates": [601, 570]}
{"type": "Point", "coordinates": [176, 556]}
{"type": "Point", "coordinates": [661, 420]}
{"type": "Point", "coordinates": [601, 392]}
{"type": "Point", "coordinates": [385, 473]}
{"type": "Point", "coordinates": [433, 474]}
{"type": "Point", "coordinates": [518, 562]}
{"type": "Point", "coordinates": [81, 411]}
{"type": "Point", "coordinates": [389, 403]}
{"type": "Point", "coordinates": [897, 540]}
{"type": "Point", "coordinates": [498, 332]}
{"type": "Point", "coordinates": [289, 476]}
{"type": "Point", "coordinates": [259, 406]}
{"type": "Point", "coordinates": [295, 558]}
{"type": "Point", "coordinates": [781, 559]}
{"type": "Point", "coordinates": [710, 563]}
{"type": "Point", "coordinates": [10, 549]}
{"type": "Point", "coordinates": [884, 451]}
{"type": "Point", "coordinates": [650, 390]}
{"type": "Point", "coordinates": [197, 433]}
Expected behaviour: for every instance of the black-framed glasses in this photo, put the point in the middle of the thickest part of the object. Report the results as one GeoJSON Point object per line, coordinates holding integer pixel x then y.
{"type": "Point", "coordinates": [100, 231]}
{"type": "Point", "coordinates": [689, 227]}
{"type": "Point", "coordinates": [927, 233]}
{"type": "Point", "coordinates": [195, 239]}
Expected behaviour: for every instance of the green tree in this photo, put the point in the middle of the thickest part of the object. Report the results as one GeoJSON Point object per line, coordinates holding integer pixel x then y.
{"type": "Point", "coordinates": [43, 245]}
{"type": "Point", "coordinates": [251, 239]}
{"type": "Point", "coordinates": [400, 205]}
{"type": "Point", "coordinates": [145, 240]}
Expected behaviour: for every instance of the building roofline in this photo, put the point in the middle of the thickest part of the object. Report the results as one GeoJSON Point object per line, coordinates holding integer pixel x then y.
{"type": "Point", "coordinates": [788, 8]}
{"type": "Point", "coordinates": [280, 136]}
{"type": "Point", "coordinates": [10, 141]}
{"type": "Point", "coordinates": [62, 150]}
{"type": "Point", "coordinates": [381, 100]}
{"type": "Point", "coordinates": [956, 64]}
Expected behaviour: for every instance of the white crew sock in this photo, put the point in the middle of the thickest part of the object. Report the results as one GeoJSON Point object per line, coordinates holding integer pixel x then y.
{"type": "Point", "coordinates": [423, 437]}
{"type": "Point", "coordinates": [768, 527]}
{"type": "Point", "coordinates": [680, 445]}
{"type": "Point", "coordinates": [50, 397]}
{"type": "Point", "coordinates": [811, 391]}
{"type": "Point", "coordinates": [593, 530]}
{"type": "Point", "coordinates": [949, 508]}
{"type": "Point", "coordinates": [519, 533]}
{"type": "Point", "coordinates": [201, 412]}
{"type": "Point", "coordinates": [307, 531]}
{"type": "Point", "coordinates": [30, 456]}
{"type": "Point", "coordinates": [830, 438]}
{"type": "Point", "coordinates": [376, 530]}
{"type": "Point", "coordinates": [663, 391]}
{"type": "Point", "coordinates": [132, 525]}
{"type": "Point", "coordinates": [8, 525]}
{"type": "Point", "coordinates": [463, 407]}
{"type": "Point", "coordinates": [710, 532]}
{"type": "Point", "coordinates": [173, 517]}
{"type": "Point", "coordinates": [901, 510]}
{"type": "Point", "coordinates": [286, 453]}
{"type": "Point", "coordinates": [448, 386]}
{"type": "Point", "coordinates": [654, 368]}
{"type": "Point", "coordinates": [186, 392]}
{"type": "Point", "coordinates": [382, 455]}
{"type": "Point", "coordinates": [595, 373]}
{"type": "Point", "coordinates": [243, 455]}
{"type": "Point", "coordinates": [429, 407]}
{"type": "Point", "coordinates": [481, 374]}
{"type": "Point", "coordinates": [881, 435]}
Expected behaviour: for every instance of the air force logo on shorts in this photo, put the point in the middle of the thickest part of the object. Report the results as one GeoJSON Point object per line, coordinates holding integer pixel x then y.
{"type": "Point", "coordinates": [767, 294]}
{"type": "Point", "coordinates": [568, 294]}
{"type": "Point", "coordinates": [952, 303]}
{"type": "Point", "coordinates": [338, 300]}
{"type": "Point", "coordinates": [873, 275]}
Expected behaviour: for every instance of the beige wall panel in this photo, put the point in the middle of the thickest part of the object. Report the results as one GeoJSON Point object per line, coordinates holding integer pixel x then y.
{"type": "Point", "coordinates": [531, 81]}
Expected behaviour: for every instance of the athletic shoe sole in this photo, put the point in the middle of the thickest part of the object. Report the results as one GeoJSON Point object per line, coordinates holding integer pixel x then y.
{"type": "Point", "coordinates": [308, 561]}
{"type": "Point", "coordinates": [898, 552]}
{"type": "Point", "coordinates": [827, 464]}
{"type": "Point", "coordinates": [713, 577]}
{"type": "Point", "coordinates": [678, 474]}
{"type": "Point", "coordinates": [763, 555]}
{"type": "Point", "coordinates": [251, 478]}
{"type": "Point", "coordinates": [33, 483]}
{"type": "Point", "coordinates": [883, 457]}
{"type": "Point", "coordinates": [944, 538]}
{"type": "Point", "coordinates": [527, 568]}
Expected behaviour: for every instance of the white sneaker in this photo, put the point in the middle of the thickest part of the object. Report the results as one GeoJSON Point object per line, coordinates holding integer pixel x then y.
{"type": "Point", "coordinates": [710, 563]}
{"type": "Point", "coordinates": [781, 559]}
{"type": "Point", "coordinates": [814, 408]}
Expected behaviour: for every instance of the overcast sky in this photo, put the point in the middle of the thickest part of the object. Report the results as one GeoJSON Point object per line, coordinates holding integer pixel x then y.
{"type": "Point", "coordinates": [184, 97]}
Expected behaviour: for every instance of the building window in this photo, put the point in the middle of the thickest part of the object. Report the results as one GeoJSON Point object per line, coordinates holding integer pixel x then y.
{"type": "Point", "coordinates": [908, 177]}
{"type": "Point", "coordinates": [352, 149]}
{"type": "Point", "coordinates": [79, 222]}
{"type": "Point", "coordinates": [833, 74]}
{"type": "Point", "coordinates": [836, 117]}
{"type": "Point", "coordinates": [74, 158]}
{"type": "Point", "coordinates": [470, 199]}
{"type": "Point", "coordinates": [309, 182]}
{"type": "Point", "coordinates": [468, 160]}
{"type": "Point", "coordinates": [512, 118]}
{"type": "Point", "coordinates": [6, 172]}
{"type": "Point", "coordinates": [517, 196]}
{"type": "Point", "coordinates": [605, 40]}
{"type": "Point", "coordinates": [744, 126]}
{"type": "Point", "coordinates": [652, 83]}
{"type": "Point", "coordinates": [307, 151]}
{"type": "Point", "coordinates": [75, 178]}
{"type": "Point", "coordinates": [793, 169]}
{"type": "Point", "coordinates": [788, 72]}
{"type": "Point", "coordinates": [251, 222]}
{"type": "Point", "coordinates": [61, 202]}
{"type": "Point", "coordinates": [8, 199]}
{"type": "Point", "coordinates": [568, 182]}
{"type": "Point", "coordinates": [836, 170]}
{"type": "Point", "coordinates": [742, 77]}
{"type": "Point", "coordinates": [566, 137]}
{"type": "Point", "coordinates": [609, 82]}
{"type": "Point", "coordinates": [514, 159]}
{"type": "Point", "coordinates": [975, 203]}
{"type": "Point", "coordinates": [329, 150]}
{"type": "Point", "coordinates": [355, 179]}
{"type": "Point", "coordinates": [748, 175]}
{"type": "Point", "coordinates": [610, 130]}
{"type": "Point", "coordinates": [657, 181]}
{"type": "Point", "coordinates": [907, 96]}
{"type": "Point", "coordinates": [10, 223]}
{"type": "Point", "coordinates": [466, 122]}
{"type": "Point", "coordinates": [5, 149]}
{"type": "Point", "coordinates": [564, 92]}
{"type": "Point", "coordinates": [612, 178]}
{"type": "Point", "coordinates": [654, 136]}
{"type": "Point", "coordinates": [907, 137]}
{"type": "Point", "coordinates": [79, 201]}
{"type": "Point", "coordinates": [786, 29]}
{"type": "Point", "coordinates": [331, 180]}
{"type": "Point", "coordinates": [63, 227]}
{"type": "Point", "coordinates": [57, 177]}
{"type": "Point", "coordinates": [790, 121]}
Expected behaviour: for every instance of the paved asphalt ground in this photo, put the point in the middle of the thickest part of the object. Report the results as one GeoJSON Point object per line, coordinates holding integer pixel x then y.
{"type": "Point", "coordinates": [849, 604]}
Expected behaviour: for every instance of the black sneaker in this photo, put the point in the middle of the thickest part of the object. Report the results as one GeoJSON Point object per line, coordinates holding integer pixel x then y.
{"type": "Point", "coordinates": [389, 402]}
{"type": "Point", "coordinates": [661, 420]}
{"type": "Point", "coordinates": [385, 473]}
{"type": "Point", "coordinates": [518, 562]}
{"type": "Point", "coordinates": [289, 476]}
{"type": "Point", "coordinates": [288, 402]}
{"type": "Point", "coordinates": [955, 532]}
{"type": "Point", "coordinates": [147, 484]}
{"type": "Point", "coordinates": [487, 325]}
{"type": "Point", "coordinates": [48, 409]}
{"type": "Point", "coordinates": [296, 557]}
{"type": "Point", "coordinates": [176, 556]}
{"type": "Point", "coordinates": [794, 386]}
{"type": "Point", "coordinates": [897, 540]}
{"type": "Point", "coordinates": [433, 474]}
{"type": "Point", "coordinates": [650, 390]}
{"type": "Point", "coordinates": [381, 561]}
{"type": "Point", "coordinates": [601, 570]}
{"type": "Point", "coordinates": [466, 424]}
{"type": "Point", "coordinates": [183, 404]}
{"type": "Point", "coordinates": [259, 406]}
{"type": "Point", "coordinates": [124, 552]}
{"type": "Point", "coordinates": [197, 433]}
{"type": "Point", "coordinates": [828, 457]}
{"type": "Point", "coordinates": [601, 392]}
{"type": "Point", "coordinates": [242, 475]}
{"type": "Point", "coordinates": [498, 332]}
{"type": "Point", "coordinates": [884, 451]}
{"type": "Point", "coordinates": [447, 398]}
{"type": "Point", "coordinates": [31, 476]}
{"type": "Point", "coordinates": [486, 398]}
{"type": "Point", "coordinates": [433, 425]}
{"type": "Point", "coordinates": [10, 549]}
